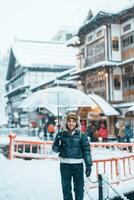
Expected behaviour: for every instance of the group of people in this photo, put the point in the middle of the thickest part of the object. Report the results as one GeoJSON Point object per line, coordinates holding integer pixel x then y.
{"type": "Point", "coordinates": [73, 146]}
{"type": "Point", "coordinates": [97, 132]}
{"type": "Point", "coordinates": [124, 132]}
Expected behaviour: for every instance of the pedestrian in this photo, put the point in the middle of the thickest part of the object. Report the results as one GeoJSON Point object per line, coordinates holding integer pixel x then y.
{"type": "Point", "coordinates": [103, 133]}
{"type": "Point", "coordinates": [73, 147]}
{"type": "Point", "coordinates": [51, 131]}
{"type": "Point", "coordinates": [45, 130]}
{"type": "Point", "coordinates": [121, 134]}
{"type": "Point", "coordinates": [83, 126]}
{"type": "Point", "coordinates": [128, 133]}
{"type": "Point", "coordinates": [90, 131]}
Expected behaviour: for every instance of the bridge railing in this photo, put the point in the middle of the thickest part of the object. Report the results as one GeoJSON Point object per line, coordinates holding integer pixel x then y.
{"type": "Point", "coordinates": [118, 168]}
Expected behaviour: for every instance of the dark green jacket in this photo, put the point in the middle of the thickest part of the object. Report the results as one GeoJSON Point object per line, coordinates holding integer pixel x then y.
{"type": "Point", "coordinates": [72, 146]}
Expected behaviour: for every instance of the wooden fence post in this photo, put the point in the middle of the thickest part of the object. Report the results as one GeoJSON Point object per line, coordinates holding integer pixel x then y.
{"type": "Point", "coordinates": [11, 145]}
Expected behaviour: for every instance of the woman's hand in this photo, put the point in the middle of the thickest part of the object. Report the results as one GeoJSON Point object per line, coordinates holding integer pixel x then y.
{"type": "Point", "coordinates": [88, 170]}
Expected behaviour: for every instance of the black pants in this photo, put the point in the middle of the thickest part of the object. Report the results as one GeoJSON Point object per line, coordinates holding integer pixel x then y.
{"type": "Point", "coordinates": [73, 172]}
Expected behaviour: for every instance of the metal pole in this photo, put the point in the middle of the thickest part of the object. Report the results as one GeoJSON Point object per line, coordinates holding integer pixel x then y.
{"type": "Point", "coordinates": [100, 185]}
{"type": "Point", "coordinates": [58, 98]}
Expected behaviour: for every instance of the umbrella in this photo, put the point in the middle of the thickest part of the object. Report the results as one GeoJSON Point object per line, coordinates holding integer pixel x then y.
{"type": "Point", "coordinates": [57, 97]}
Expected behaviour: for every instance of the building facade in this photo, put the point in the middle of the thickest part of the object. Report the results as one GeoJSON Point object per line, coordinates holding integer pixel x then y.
{"type": "Point", "coordinates": [105, 62]}
{"type": "Point", "coordinates": [31, 63]}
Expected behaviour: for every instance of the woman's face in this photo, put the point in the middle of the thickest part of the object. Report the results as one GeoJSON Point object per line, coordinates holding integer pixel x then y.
{"type": "Point", "coordinates": [71, 124]}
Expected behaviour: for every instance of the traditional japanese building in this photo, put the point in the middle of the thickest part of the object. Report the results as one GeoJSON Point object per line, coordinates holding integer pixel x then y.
{"type": "Point", "coordinates": [105, 63]}
{"type": "Point", "coordinates": [31, 63]}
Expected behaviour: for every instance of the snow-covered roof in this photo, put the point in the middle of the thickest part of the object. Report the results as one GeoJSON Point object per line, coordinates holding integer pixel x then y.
{"type": "Point", "coordinates": [107, 108]}
{"type": "Point", "coordinates": [123, 105]}
{"type": "Point", "coordinates": [36, 53]}
{"type": "Point", "coordinates": [66, 72]}
{"type": "Point", "coordinates": [104, 63]}
{"type": "Point", "coordinates": [73, 41]}
{"type": "Point", "coordinates": [63, 82]}
{"type": "Point", "coordinates": [96, 65]}
{"type": "Point", "coordinates": [131, 108]}
{"type": "Point", "coordinates": [22, 87]}
{"type": "Point", "coordinates": [76, 77]}
{"type": "Point", "coordinates": [106, 16]}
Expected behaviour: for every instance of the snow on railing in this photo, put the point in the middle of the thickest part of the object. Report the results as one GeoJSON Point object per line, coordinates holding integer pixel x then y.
{"type": "Point", "coordinates": [129, 147]}
{"type": "Point", "coordinates": [117, 168]}
{"type": "Point", "coordinates": [19, 131]}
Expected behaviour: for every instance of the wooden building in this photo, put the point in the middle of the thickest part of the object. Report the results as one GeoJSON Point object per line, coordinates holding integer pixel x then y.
{"type": "Point", "coordinates": [105, 62]}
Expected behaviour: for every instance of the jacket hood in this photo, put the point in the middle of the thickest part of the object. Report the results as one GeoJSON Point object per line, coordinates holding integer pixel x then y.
{"type": "Point", "coordinates": [64, 124]}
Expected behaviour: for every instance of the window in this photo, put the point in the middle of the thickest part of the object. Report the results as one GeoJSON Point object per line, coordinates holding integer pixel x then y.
{"type": "Point", "coordinates": [115, 44]}
{"type": "Point", "coordinates": [129, 40]}
{"type": "Point", "coordinates": [127, 27]}
{"type": "Point", "coordinates": [117, 82]}
{"type": "Point", "coordinates": [99, 33]}
{"type": "Point", "coordinates": [129, 69]}
{"type": "Point", "coordinates": [90, 38]}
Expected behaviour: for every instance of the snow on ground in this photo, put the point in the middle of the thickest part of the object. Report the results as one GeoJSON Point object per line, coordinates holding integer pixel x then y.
{"type": "Point", "coordinates": [40, 179]}
{"type": "Point", "coordinates": [29, 180]}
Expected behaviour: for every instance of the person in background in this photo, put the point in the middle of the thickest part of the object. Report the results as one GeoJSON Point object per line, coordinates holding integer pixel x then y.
{"type": "Point", "coordinates": [121, 134]}
{"type": "Point", "coordinates": [90, 131]}
{"type": "Point", "coordinates": [73, 148]}
{"type": "Point", "coordinates": [128, 133]}
{"type": "Point", "coordinates": [51, 131]}
{"type": "Point", "coordinates": [96, 134]}
{"type": "Point", "coordinates": [45, 130]}
{"type": "Point", "coordinates": [83, 126]}
{"type": "Point", "coordinates": [103, 133]}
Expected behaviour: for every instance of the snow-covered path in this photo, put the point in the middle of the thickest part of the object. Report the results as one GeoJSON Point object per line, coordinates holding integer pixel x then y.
{"type": "Point", "coordinates": [40, 179]}
{"type": "Point", "coordinates": [37, 180]}
{"type": "Point", "coordinates": [29, 180]}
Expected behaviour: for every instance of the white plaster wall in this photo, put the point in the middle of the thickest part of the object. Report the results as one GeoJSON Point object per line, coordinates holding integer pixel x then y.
{"type": "Point", "coordinates": [115, 32]}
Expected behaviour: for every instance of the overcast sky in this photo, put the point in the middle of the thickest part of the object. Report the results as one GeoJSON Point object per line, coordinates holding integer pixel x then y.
{"type": "Point", "coordinates": [41, 19]}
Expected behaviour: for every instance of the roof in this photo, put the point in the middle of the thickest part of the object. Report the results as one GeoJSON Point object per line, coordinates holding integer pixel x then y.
{"type": "Point", "coordinates": [123, 105]}
{"type": "Point", "coordinates": [38, 53]}
{"type": "Point", "coordinates": [104, 63]}
{"type": "Point", "coordinates": [105, 17]}
{"type": "Point", "coordinates": [96, 65]}
{"type": "Point", "coordinates": [107, 108]}
{"type": "Point", "coordinates": [15, 90]}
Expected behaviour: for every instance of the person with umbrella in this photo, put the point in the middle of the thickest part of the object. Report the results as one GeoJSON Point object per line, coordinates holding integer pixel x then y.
{"type": "Point", "coordinates": [73, 147]}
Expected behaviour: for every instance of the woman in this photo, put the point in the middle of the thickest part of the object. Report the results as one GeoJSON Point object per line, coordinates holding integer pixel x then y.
{"type": "Point", "coordinates": [73, 147]}
{"type": "Point", "coordinates": [103, 133]}
{"type": "Point", "coordinates": [121, 134]}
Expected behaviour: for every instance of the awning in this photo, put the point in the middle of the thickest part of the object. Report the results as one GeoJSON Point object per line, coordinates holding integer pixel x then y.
{"type": "Point", "coordinates": [107, 108]}
{"type": "Point", "coordinates": [131, 108]}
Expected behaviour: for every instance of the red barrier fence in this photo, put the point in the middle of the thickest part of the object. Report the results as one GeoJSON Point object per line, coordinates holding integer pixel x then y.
{"type": "Point", "coordinates": [117, 168]}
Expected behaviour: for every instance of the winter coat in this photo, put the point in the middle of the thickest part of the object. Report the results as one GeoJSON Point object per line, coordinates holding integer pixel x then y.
{"type": "Point", "coordinates": [128, 132]}
{"type": "Point", "coordinates": [103, 132]}
{"type": "Point", "coordinates": [72, 146]}
{"type": "Point", "coordinates": [121, 131]}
